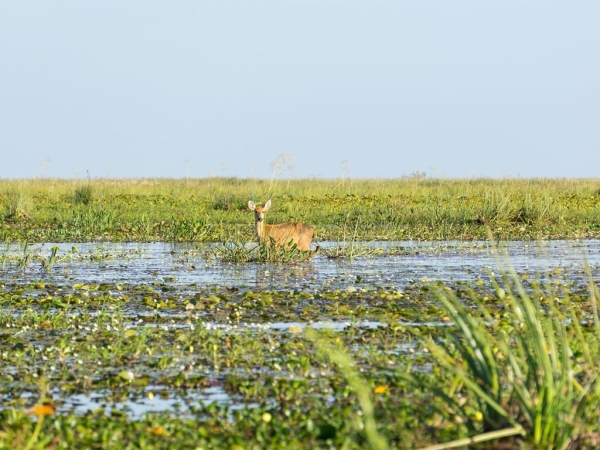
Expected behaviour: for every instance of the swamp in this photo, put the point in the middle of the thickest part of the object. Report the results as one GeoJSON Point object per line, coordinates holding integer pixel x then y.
{"type": "Point", "coordinates": [142, 314]}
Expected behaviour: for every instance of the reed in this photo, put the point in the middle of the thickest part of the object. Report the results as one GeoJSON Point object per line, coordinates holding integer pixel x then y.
{"type": "Point", "coordinates": [83, 195]}
{"type": "Point", "coordinates": [17, 205]}
{"type": "Point", "coordinates": [520, 373]}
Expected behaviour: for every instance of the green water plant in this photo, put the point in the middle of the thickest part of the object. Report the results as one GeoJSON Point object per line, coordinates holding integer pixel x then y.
{"type": "Point", "coordinates": [186, 229]}
{"type": "Point", "coordinates": [332, 350]}
{"type": "Point", "coordinates": [346, 245]}
{"type": "Point", "coordinates": [27, 256]}
{"type": "Point", "coordinates": [93, 219]}
{"type": "Point", "coordinates": [48, 264]}
{"type": "Point", "coordinates": [519, 371]}
{"type": "Point", "coordinates": [244, 251]}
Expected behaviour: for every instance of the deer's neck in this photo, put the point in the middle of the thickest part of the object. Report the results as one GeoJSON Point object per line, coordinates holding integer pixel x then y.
{"type": "Point", "coordinates": [260, 230]}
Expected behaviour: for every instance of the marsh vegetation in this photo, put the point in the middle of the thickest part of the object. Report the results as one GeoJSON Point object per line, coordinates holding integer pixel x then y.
{"type": "Point", "coordinates": [191, 335]}
{"type": "Point", "coordinates": [215, 209]}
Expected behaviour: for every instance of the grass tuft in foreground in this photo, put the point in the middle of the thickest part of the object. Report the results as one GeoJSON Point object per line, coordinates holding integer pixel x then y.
{"type": "Point", "coordinates": [531, 370]}
{"type": "Point", "coordinates": [330, 349]}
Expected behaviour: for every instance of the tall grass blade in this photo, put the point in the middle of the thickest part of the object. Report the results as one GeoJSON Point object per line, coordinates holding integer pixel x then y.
{"type": "Point", "coordinates": [483, 437]}
{"type": "Point", "coordinates": [337, 355]}
{"type": "Point", "coordinates": [522, 374]}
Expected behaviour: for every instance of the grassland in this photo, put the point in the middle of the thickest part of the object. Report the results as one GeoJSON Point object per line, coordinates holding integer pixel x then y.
{"type": "Point", "coordinates": [215, 209]}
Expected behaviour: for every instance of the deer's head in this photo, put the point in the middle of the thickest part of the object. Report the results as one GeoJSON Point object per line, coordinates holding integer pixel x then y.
{"type": "Point", "coordinates": [259, 211]}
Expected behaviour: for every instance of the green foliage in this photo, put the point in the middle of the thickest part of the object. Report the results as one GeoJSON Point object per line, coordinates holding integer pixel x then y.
{"type": "Point", "coordinates": [228, 202]}
{"type": "Point", "coordinates": [185, 229]}
{"type": "Point", "coordinates": [496, 207]}
{"type": "Point", "coordinates": [83, 195]}
{"type": "Point", "coordinates": [510, 362]}
{"type": "Point", "coordinates": [93, 219]}
{"type": "Point", "coordinates": [521, 371]}
{"type": "Point", "coordinates": [250, 251]}
{"type": "Point", "coordinates": [16, 205]}
{"type": "Point", "coordinates": [332, 350]}
{"type": "Point", "coordinates": [48, 264]}
{"type": "Point", "coordinates": [411, 208]}
{"type": "Point", "coordinates": [346, 245]}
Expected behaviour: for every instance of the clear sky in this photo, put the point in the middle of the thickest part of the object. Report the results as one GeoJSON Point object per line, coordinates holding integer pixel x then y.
{"type": "Point", "coordinates": [326, 88]}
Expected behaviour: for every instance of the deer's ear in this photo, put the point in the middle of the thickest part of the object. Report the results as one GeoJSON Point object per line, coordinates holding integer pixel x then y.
{"type": "Point", "coordinates": [267, 205]}
{"type": "Point", "coordinates": [251, 205]}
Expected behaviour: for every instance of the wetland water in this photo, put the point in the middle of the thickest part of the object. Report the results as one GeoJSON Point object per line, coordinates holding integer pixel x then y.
{"type": "Point", "coordinates": [170, 288]}
{"type": "Point", "coordinates": [390, 263]}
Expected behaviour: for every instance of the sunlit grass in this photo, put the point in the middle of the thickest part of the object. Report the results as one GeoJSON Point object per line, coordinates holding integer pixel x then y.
{"type": "Point", "coordinates": [83, 195]}
{"type": "Point", "coordinates": [252, 252]}
{"type": "Point", "coordinates": [531, 370]}
{"type": "Point", "coordinates": [17, 205]}
{"type": "Point", "coordinates": [145, 210]}
{"type": "Point", "coordinates": [345, 245]}
{"type": "Point", "coordinates": [483, 360]}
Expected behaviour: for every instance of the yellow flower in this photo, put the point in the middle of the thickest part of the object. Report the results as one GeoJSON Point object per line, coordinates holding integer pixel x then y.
{"type": "Point", "coordinates": [157, 431]}
{"type": "Point", "coordinates": [380, 389]}
{"type": "Point", "coordinates": [42, 410]}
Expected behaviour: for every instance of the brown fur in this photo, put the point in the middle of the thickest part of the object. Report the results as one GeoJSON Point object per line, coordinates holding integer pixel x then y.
{"type": "Point", "coordinates": [283, 234]}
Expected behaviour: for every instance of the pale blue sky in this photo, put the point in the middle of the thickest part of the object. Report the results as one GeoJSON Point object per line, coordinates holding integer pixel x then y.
{"type": "Point", "coordinates": [195, 88]}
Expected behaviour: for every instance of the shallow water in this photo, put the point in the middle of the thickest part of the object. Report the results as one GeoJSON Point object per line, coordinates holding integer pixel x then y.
{"type": "Point", "coordinates": [397, 264]}
{"type": "Point", "coordinates": [184, 269]}
{"type": "Point", "coordinates": [82, 404]}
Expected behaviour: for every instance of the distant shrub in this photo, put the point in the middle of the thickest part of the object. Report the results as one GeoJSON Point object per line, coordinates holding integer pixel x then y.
{"type": "Point", "coordinates": [16, 205]}
{"type": "Point", "coordinates": [83, 195]}
{"type": "Point", "coordinates": [227, 202]}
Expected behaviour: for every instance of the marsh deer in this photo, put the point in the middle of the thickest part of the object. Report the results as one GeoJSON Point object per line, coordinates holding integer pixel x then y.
{"type": "Point", "coordinates": [283, 234]}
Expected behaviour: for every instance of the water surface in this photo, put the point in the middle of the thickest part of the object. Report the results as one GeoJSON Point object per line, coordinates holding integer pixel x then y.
{"type": "Point", "coordinates": [396, 264]}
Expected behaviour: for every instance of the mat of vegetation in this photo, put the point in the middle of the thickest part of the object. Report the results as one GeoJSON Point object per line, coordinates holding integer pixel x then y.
{"type": "Point", "coordinates": [509, 359]}
{"type": "Point", "coordinates": [500, 360]}
{"type": "Point", "coordinates": [215, 209]}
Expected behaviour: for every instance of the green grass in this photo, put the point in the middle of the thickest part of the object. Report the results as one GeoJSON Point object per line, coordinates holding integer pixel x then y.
{"type": "Point", "coordinates": [16, 205]}
{"type": "Point", "coordinates": [83, 195]}
{"type": "Point", "coordinates": [214, 209]}
{"type": "Point", "coordinates": [346, 246]}
{"type": "Point", "coordinates": [249, 251]}
{"type": "Point", "coordinates": [531, 372]}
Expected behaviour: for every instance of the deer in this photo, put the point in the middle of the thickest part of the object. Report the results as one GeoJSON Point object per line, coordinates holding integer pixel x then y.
{"type": "Point", "coordinates": [283, 234]}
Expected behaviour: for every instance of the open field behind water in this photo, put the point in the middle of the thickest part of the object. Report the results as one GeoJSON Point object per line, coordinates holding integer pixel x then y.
{"type": "Point", "coordinates": [215, 209]}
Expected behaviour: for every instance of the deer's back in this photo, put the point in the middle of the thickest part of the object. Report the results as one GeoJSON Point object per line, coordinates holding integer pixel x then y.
{"type": "Point", "coordinates": [296, 232]}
